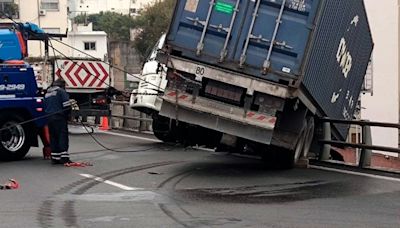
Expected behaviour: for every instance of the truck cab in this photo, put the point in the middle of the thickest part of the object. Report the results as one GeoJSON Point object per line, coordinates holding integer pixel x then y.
{"type": "Point", "coordinates": [153, 79]}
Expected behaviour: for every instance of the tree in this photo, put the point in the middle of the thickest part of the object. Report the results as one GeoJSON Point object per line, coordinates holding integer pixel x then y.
{"type": "Point", "coordinates": [151, 24]}
{"type": "Point", "coordinates": [117, 26]}
{"type": "Point", "coordinates": [9, 9]}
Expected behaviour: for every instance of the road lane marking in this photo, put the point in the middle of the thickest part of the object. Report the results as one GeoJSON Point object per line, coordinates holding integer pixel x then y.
{"type": "Point", "coordinates": [130, 136]}
{"type": "Point", "coordinates": [356, 173]}
{"type": "Point", "coordinates": [99, 179]}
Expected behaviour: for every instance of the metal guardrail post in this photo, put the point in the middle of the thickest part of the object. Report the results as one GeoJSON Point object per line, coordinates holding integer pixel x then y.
{"type": "Point", "coordinates": [326, 150]}
{"type": "Point", "coordinates": [142, 124]}
{"type": "Point", "coordinates": [111, 122]}
{"type": "Point", "coordinates": [366, 154]}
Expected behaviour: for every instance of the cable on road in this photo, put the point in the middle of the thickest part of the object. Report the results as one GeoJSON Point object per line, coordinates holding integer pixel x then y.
{"type": "Point", "coordinates": [110, 149]}
{"type": "Point", "coordinates": [83, 125]}
{"type": "Point", "coordinates": [159, 92]}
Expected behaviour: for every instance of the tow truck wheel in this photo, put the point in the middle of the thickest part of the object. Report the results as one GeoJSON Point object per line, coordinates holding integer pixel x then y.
{"type": "Point", "coordinates": [14, 143]}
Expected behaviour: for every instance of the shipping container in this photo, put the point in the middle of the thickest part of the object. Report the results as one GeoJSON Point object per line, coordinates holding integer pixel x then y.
{"type": "Point", "coordinates": [325, 45]}
{"type": "Point", "coordinates": [264, 70]}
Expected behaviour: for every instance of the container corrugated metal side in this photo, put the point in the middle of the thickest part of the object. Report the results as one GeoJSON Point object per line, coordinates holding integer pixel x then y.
{"type": "Point", "coordinates": [237, 34]}
{"type": "Point", "coordinates": [339, 58]}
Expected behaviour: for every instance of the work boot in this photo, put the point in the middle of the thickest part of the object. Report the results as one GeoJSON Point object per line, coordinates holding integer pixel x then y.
{"type": "Point", "coordinates": [55, 162]}
{"type": "Point", "coordinates": [66, 161]}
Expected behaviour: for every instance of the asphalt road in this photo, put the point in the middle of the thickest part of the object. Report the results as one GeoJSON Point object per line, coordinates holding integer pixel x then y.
{"type": "Point", "coordinates": [145, 183]}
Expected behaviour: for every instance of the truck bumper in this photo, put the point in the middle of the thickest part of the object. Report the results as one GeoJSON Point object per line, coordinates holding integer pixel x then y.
{"type": "Point", "coordinates": [218, 116]}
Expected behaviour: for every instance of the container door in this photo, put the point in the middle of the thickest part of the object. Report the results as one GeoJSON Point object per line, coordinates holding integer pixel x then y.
{"type": "Point", "coordinates": [207, 29]}
{"type": "Point", "coordinates": [275, 36]}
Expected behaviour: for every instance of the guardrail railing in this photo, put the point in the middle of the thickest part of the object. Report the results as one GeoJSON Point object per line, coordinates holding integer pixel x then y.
{"type": "Point", "coordinates": [366, 142]}
{"type": "Point", "coordinates": [124, 118]}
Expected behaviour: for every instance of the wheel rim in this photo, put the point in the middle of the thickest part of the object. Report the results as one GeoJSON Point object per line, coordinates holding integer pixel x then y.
{"type": "Point", "coordinates": [12, 136]}
{"type": "Point", "coordinates": [309, 137]}
{"type": "Point", "coordinates": [299, 147]}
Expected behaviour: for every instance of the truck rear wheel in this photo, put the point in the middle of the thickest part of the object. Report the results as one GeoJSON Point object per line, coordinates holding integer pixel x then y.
{"type": "Point", "coordinates": [309, 136]}
{"type": "Point", "coordinates": [14, 138]}
{"type": "Point", "coordinates": [164, 129]}
{"type": "Point", "coordinates": [283, 158]}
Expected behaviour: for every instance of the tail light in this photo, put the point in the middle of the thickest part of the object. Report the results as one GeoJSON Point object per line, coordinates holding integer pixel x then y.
{"type": "Point", "coordinates": [40, 102]}
{"type": "Point", "coordinates": [100, 101]}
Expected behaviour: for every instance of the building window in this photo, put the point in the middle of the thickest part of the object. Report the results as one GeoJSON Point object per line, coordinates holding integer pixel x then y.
{"type": "Point", "coordinates": [51, 5]}
{"type": "Point", "coordinates": [10, 8]}
{"type": "Point", "coordinates": [90, 46]}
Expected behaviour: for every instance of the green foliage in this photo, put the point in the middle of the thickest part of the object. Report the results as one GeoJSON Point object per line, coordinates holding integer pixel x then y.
{"type": "Point", "coordinates": [117, 26]}
{"type": "Point", "coordinates": [152, 23]}
{"type": "Point", "coordinates": [10, 9]}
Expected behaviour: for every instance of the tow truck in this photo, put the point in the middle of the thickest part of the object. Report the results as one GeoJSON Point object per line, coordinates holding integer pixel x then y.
{"type": "Point", "coordinates": [22, 116]}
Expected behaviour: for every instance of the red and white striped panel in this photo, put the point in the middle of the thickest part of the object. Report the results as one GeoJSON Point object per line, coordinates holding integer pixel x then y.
{"type": "Point", "coordinates": [261, 118]}
{"type": "Point", "coordinates": [180, 96]}
{"type": "Point", "coordinates": [83, 74]}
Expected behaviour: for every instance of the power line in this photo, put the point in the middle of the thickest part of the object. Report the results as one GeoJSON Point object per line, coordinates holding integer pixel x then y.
{"type": "Point", "coordinates": [38, 118]}
{"type": "Point", "coordinates": [66, 109]}
{"type": "Point", "coordinates": [98, 78]}
{"type": "Point", "coordinates": [84, 126]}
{"type": "Point", "coordinates": [158, 89]}
{"type": "Point", "coordinates": [122, 70]}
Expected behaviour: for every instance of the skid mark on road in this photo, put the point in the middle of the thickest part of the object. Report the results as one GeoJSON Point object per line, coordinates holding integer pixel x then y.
{"type": "Point", "coordinates": [176, 211]}
{"type": "Point", "coordinates": [46, 215]}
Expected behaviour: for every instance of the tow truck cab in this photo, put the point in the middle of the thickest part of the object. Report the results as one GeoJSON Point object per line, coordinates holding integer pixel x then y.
{"type": "Point", "coordinates": [21, 110]}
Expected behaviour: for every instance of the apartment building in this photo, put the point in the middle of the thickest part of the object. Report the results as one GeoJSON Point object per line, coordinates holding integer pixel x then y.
{"type": "Point", "coordinates": [85, 40]}
{"type": "Point", "coordinates": [383, 104]}
{"type": "Point", "coordinates": [132, 7]}
{"type": "Point", "coordinates": [51, 15]}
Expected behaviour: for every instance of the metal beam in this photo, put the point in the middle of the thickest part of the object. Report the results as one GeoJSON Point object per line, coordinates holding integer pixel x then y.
{"type": "Point", "coordinates": [361, 123]}
{"type": "Point", "coordinates": [326, 149]}
{"type": "Point", "coordinates": [132, 118]}
{"type": "Point", "coordinates": [362, 146]}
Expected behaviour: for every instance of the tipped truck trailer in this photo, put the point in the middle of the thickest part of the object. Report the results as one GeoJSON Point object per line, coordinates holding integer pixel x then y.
{"type": "Point", "coordinates": [262, 71]}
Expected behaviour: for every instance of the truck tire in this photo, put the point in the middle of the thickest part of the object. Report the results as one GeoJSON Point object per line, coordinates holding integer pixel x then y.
{"type": "Point", "coordinates": [302, 146]}
{"type": "Point", "coordinates": [14, 137]}
{"type": "Point", "coordinates": [163, 129]}
{"type": "Point", "coordinates": [309, 136]}
{"type": "Point", "coordinates": [283, 158]}
{"type": "Point", "coordinates": [299, 148]}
